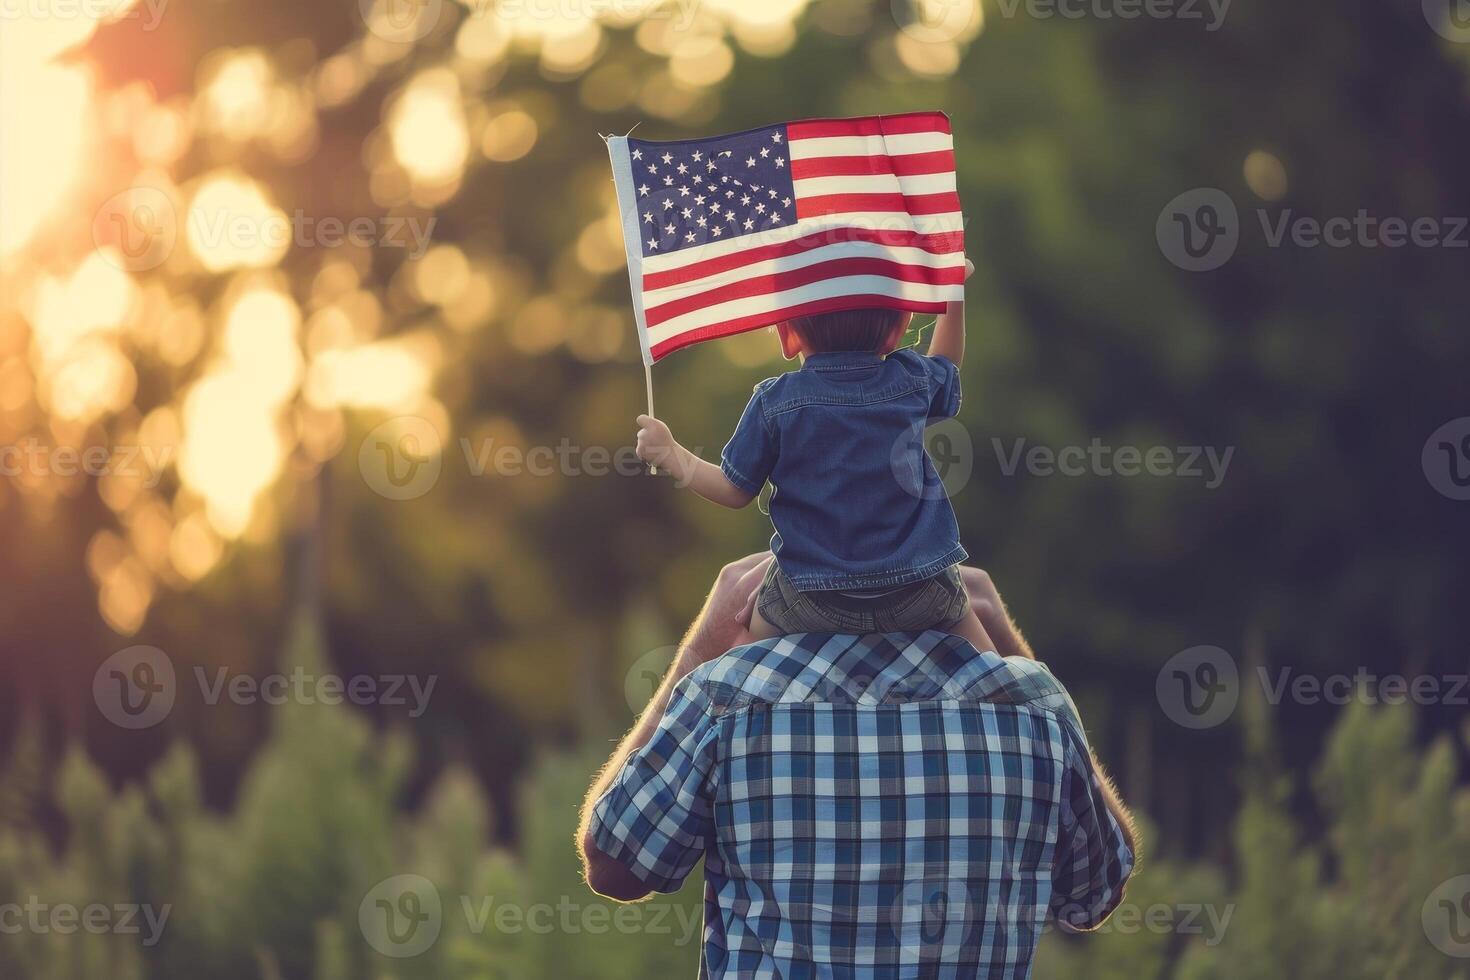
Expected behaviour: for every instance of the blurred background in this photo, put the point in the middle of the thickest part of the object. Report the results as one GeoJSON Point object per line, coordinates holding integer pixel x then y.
{"type": "Point", "coordinates": [327, 575]}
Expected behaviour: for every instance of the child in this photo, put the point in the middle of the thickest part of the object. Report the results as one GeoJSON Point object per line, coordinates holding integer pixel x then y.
{"type": "Point", "coordinates": [866, 541]}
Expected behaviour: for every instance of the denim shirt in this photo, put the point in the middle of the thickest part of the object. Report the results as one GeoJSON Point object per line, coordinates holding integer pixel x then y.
{"type": "Point", "coordinates": [856, 501]}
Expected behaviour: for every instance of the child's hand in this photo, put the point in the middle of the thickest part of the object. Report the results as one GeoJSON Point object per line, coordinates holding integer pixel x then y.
{"type": "Point", "coordinates": [656, 443]}
{"type": "Point", "coordinates": [969, 268]}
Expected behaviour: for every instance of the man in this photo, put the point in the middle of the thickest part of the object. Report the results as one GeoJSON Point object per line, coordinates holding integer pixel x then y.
{"type": "Point", "coordinates": [878, 806]}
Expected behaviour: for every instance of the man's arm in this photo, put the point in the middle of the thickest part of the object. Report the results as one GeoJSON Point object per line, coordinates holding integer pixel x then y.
{"type": "Point", "coordinates": [1117, 808]}
{"type": "Point", "coordinates": [949, 328]}
{"type": "Point", "coordinates": [717, 628]}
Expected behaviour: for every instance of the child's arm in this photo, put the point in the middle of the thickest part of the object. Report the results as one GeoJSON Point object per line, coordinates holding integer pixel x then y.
{"type": "Point", "coordinates": [657, 445]}
{"type": "Point", "coordinates": [949, 328]}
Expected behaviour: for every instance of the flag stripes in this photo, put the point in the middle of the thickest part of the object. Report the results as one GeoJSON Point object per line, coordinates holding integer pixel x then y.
{"type": "Point", "coordinates": [877, 223]}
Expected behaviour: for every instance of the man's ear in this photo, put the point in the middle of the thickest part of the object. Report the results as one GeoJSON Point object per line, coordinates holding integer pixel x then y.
{"type": "Point", "coordinates": [790, 342]}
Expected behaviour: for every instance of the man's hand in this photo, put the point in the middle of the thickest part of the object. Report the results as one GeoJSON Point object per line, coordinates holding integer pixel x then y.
{"type": "Point", "coordinates": [969, 268]}
{"type": "Point", "coordinates": [988, 606]}
{"type": "Point", "coordinates": [725, 621]}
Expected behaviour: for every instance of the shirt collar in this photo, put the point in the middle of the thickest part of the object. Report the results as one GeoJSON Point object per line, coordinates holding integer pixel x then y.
{"type": "Point", "coordinates": [842, 360]}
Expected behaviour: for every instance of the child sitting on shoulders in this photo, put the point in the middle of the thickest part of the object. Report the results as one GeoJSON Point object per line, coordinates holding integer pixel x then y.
{"type": "Point", "coordinates": [865, 538]}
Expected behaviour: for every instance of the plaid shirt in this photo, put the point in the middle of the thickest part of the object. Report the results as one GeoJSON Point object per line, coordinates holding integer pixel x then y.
{"type": "Point", "coordinates": [876, 806]}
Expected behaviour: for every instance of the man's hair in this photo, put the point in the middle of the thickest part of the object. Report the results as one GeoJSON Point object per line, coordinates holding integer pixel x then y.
{"type": "Point", "coordinates": [846, 330]}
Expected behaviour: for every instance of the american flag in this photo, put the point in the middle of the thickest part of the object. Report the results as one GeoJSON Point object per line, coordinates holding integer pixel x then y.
{"type": "Point", "coordinates": [736, 232]}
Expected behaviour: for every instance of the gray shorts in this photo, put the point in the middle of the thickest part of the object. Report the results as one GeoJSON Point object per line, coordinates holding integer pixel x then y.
{"type": "Point", "coordinates": [934, 603]}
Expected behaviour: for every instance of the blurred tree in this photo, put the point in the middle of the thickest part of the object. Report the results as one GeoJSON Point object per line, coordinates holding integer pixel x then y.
{"type": "Point", "coordinates": [266, 370]}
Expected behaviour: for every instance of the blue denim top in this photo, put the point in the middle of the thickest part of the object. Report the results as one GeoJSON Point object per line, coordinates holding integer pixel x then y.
{"type": "Point", "coordinates": [856, 501]}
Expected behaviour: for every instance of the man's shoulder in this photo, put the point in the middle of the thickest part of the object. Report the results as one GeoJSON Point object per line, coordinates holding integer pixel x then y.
{"type": "Point", "coordinates": [886, 668]}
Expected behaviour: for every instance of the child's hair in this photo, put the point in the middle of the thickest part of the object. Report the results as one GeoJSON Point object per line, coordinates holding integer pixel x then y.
{"type": "Point", "coordinates": [847, 330]}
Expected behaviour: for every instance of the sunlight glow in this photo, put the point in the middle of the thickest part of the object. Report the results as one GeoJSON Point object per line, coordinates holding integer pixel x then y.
{"type": "Point", "coordinates": [427, 126]}
{"type": "Point", "coordinates": [74, 349]}
{"type": "Point", "coordinates": [232, 224]}
{"type": "Point", "coordinates": [46, 109]}
{"type": "Point", "coordinates": [389, 375]}
{"type": "Point", "coordinates": [233, 446]}
{"type": "Point", "coordinates": [235, 100]}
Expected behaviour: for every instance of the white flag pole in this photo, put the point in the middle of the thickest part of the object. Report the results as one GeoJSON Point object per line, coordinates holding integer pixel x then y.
{"type": "Point", "coordinates": [622, 167]}
{"type": "Point", "coordinates": [648, 384]}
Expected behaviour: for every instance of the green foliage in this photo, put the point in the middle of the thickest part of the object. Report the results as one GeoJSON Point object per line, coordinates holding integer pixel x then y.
{"type": "Point", "coordinates": [273, 890]}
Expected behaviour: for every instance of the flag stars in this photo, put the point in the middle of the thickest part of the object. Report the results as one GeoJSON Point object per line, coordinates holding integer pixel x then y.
{"type": "Point", "coordinates": [637, 154]}
{"type": "Point", "coordinates": [691, 201]}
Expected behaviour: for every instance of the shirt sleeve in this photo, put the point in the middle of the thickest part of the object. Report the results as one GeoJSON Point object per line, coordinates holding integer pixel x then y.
{"type": "Point", "coordinates": [750, 455]}
{"type": "Point", "coordinates": [944, 386]}
{"type": "Point", "coordinates": [1093, 860]}
{"type": "Point", "coordinates": [656, 818]}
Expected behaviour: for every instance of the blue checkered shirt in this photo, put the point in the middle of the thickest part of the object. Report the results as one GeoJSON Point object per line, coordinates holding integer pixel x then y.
{"type": "Point", "coordinates": [876, 806]}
